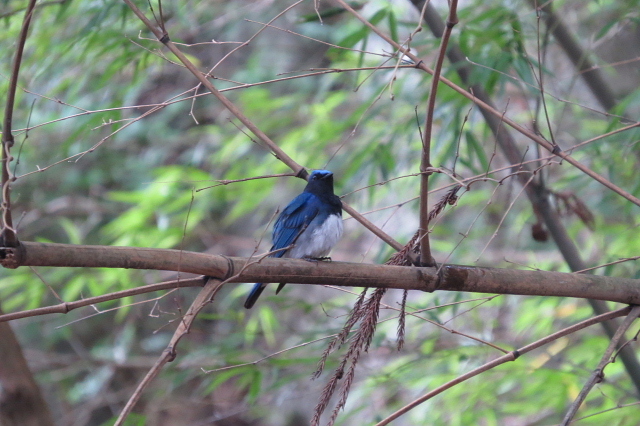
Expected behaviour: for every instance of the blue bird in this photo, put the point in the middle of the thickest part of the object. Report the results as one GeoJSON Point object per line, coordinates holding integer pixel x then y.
{"type": "Point", "coordinates": [310, 226]}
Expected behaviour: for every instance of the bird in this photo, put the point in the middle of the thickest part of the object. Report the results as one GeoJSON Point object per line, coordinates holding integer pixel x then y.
{"type": "Point", "coordinates": [307, 228]}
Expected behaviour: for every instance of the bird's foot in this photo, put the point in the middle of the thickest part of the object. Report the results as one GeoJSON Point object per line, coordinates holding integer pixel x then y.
{"type": "Point", "coordinates": [318, 259]}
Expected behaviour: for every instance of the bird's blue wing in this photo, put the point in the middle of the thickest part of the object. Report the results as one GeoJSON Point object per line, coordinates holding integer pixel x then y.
{"type": "Point", "coordinates": [293, 220]}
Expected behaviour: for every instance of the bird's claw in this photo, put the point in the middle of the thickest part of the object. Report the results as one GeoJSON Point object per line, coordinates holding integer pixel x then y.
{"type": "Point", "coordinates": [318, 259]}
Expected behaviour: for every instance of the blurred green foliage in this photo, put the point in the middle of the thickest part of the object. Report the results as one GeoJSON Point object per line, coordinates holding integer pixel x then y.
{"type": "Point", "coordinates": [90, 71]}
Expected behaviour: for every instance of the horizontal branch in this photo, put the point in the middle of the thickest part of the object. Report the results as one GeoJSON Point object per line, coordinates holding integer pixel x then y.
{"type": "Point", "coordinates": [448, 277]}
{"type": "Point", "coordinates": [66, 307]}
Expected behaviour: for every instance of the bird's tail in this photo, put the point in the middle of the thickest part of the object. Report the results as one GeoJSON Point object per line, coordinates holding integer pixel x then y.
{"type": "Point", "coordinates": [253, 296]}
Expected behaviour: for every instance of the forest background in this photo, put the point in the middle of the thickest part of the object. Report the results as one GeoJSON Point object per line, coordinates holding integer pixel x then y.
{"type": "Point", "coordinates": [117, 143]}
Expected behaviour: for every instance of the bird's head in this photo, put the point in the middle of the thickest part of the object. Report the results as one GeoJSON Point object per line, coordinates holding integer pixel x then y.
{"type": "Point", "coordinates": [320, 182]}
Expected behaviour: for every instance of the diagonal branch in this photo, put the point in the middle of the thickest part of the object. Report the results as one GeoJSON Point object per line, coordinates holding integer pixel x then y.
{"type": "Point", "coordinates": [529, 134]}
{"type": "Point", "coordinates": [202, 299]}
{"type": "Point", "coordinates": [277, 151]}
{"type": "Point", "coordinates": [66, 307]}
{"type": "Point", "coordinates": [511, 356]}
{"type": "Point", "coordinates": [164, 38]}
{"type": "Point", "coordinates": [538, 194]}
{"type": "Point", "coordinates": [591, 74]}
{"type": "Point", "coordinates": [598, 374]}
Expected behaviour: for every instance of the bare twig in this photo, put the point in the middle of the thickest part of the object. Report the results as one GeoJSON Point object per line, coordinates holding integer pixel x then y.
{"type": "Point", "coordinates": [598, 374]}
{"type": "Point", "coordinates": [511, 356]}
{"type": "Point", "coordinates": [335, 46]}
{"type": "Point", "coordinates": [490, 109]}
{"type": "Point", "coordinates": [615, 262]}
{"type": "Point", "coordinates": [541, 100]}
{"type": "Point", "coordinates": [202, 299]}
{"type": "Point", "coordinates": [277, 151]}
{"type": "Point", "coordinates": [66, 307]}
{"type": "Point", "coordinates": [228, 181]}
{"type": "Point", "coordinates": [590, 74]}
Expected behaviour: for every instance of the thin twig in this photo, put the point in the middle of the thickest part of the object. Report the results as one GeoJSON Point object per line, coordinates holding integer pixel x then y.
{"type": "Point", "coordinates": [511, 356]}
{"type": "Point", "coordinates": [615, 262]}
{"type": "Point", "coordinates": [526, 132]}
{"type": "Point", "coordinates": [277, 151]}
{"type": "Point", "coordinates": [598, 374]}
{"type": "Point", "coordinates": [66, 307]}
{"type": "Point", "coordinates": [540, 77]}
{"type": "Point", "coordinates": [202, 299]}
{"type": "Point", "coordinates": [228, 181]}
{"type": "Point", "coordinates": [39, 5]}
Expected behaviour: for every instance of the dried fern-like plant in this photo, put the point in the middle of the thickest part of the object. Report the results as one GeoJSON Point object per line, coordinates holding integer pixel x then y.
{"type": "Point", "coordinates": [365, 312]}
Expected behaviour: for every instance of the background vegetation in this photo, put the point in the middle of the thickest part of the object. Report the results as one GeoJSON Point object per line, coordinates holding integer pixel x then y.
{"type": "Point", "coordinates": [116, 145]}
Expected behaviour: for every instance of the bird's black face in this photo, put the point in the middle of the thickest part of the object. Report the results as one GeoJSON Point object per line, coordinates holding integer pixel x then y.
{"type": "Point", "coordinates": [320, 175]}
{"type": "Point", "coordinates": [320, 181]}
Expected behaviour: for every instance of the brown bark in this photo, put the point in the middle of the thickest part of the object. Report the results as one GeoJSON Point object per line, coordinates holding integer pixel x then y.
{"type": "Point", "coordinates": [236, 269]}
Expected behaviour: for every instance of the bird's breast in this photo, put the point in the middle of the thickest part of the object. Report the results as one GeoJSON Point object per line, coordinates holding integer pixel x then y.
{"type": "Point", "coordinates": [318, 239]}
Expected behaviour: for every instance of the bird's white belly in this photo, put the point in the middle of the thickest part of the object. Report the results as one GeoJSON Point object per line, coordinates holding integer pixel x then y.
{"type": "Point", "coordinates": [319, 242]}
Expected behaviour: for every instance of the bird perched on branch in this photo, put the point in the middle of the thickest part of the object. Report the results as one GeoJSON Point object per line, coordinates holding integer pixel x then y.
{"type": "Point", "coordinates": [309, 226]}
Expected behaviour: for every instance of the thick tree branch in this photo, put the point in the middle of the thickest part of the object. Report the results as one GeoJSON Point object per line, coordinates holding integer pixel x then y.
{"type": "Point", "coordinates": [21, 402]}
{"type": "Point", "coordinates": [449, 277]}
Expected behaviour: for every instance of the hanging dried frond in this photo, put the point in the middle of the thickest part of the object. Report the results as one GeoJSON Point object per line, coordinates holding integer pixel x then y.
{"type": "Point", "coordinates": [368, 313]}
{"type": "Point", "coordinates": [404, 257]}
{"type": "Point", "coordinates": [402, 319]}
{"type": "Point", "coordinates": [341, 338]}
{"type": "Point", "coordinates": [411, 252]}
{"type": "Point", "coordinates": [450, 198]}
{"type": "Point", "coordinates": [569, 204]}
